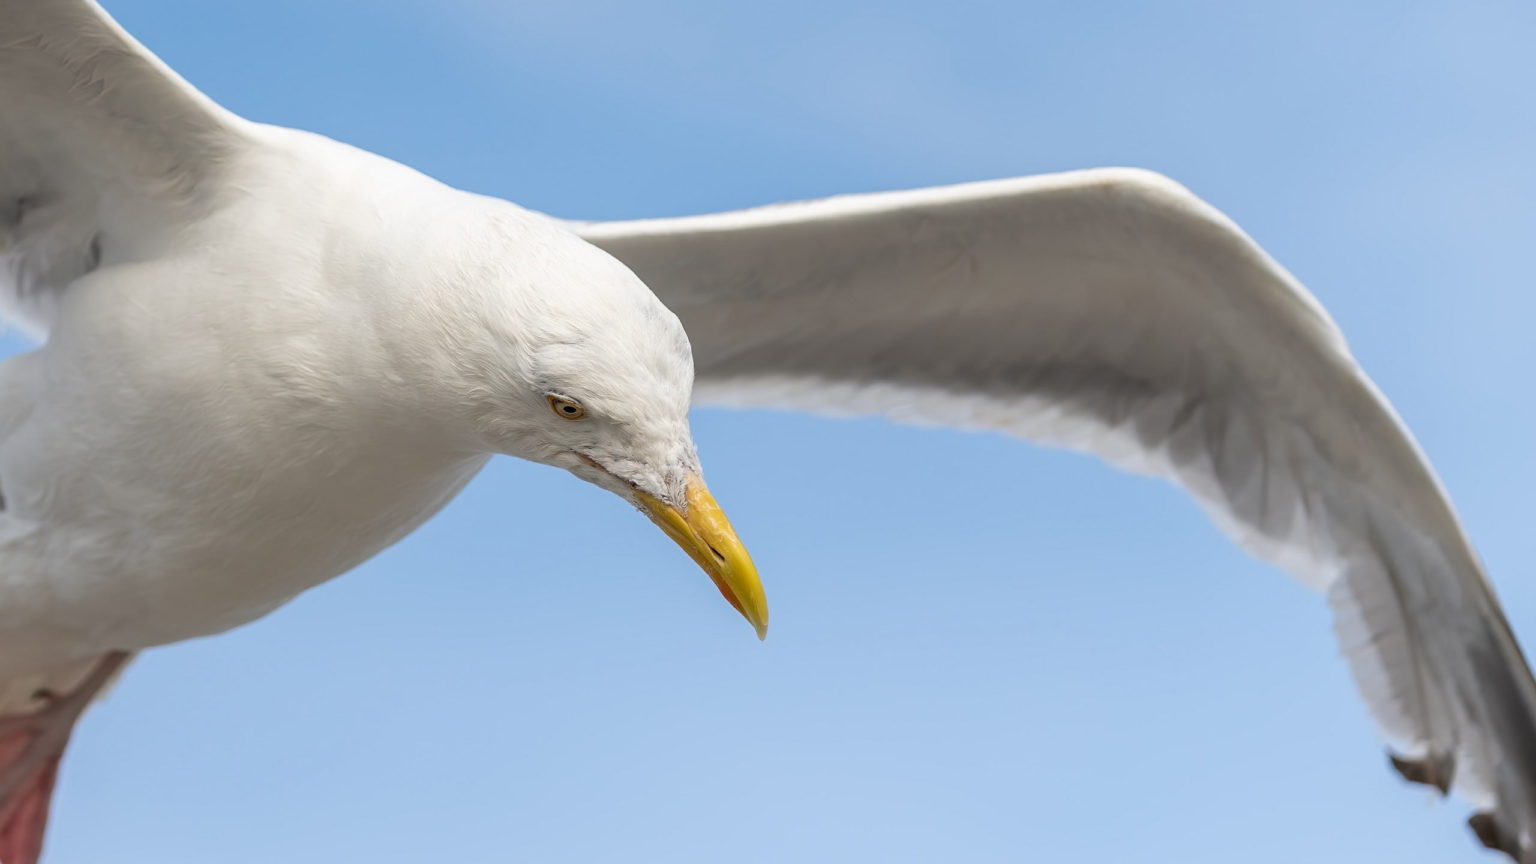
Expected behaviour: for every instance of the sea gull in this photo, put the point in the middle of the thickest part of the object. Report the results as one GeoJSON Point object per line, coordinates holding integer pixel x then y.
{"type": "Point", "coordinates": [270, 355]}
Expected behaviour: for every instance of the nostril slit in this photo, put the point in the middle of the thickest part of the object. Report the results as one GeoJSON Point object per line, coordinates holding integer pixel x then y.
{"type": "Point", "coordinates": [718, 556]}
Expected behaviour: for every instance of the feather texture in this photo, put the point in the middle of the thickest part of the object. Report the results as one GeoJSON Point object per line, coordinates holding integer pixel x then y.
{"type": "Point", "coordinates": [98, 138]}
{"type": "Point", "coordinates": [1114, 312]}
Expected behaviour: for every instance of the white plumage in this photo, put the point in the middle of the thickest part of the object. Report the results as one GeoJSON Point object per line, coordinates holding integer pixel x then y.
{"type": "Point", "coordinates": [307, 349]}
{"type": "Point", "coordinates": [1113, 312]}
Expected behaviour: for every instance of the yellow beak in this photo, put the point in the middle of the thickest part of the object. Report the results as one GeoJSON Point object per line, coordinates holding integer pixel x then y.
{"type": "Point", "coordinates": [707, 536]}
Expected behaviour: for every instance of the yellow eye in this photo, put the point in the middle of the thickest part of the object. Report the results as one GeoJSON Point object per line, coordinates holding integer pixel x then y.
{"type": "Point", "coordinates": [566, 409]}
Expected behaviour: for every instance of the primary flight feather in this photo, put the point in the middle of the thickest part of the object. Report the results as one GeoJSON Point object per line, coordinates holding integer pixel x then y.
{"type": "Point", "coordinates": [270, 355]}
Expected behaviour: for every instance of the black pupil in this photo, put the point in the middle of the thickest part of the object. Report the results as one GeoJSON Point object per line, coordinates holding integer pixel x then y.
{"type": "Point", "coordinates": [569, 409]}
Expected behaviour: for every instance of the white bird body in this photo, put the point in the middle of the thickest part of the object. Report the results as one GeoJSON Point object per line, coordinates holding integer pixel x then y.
{"type": "Point", "coordinates": [237, 375]}
{"type": "Point", "coordinates": [271, 355]}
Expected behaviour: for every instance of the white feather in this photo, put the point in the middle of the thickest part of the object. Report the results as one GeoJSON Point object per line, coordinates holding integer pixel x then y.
{"type": "Point", "coordinates": [292, 352]}
{"type": "Point", "coordinates": [1112, 311]}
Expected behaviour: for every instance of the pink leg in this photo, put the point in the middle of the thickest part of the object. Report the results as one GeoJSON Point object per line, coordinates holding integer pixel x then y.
{"type": "Point", "coordinates": [30, 748]}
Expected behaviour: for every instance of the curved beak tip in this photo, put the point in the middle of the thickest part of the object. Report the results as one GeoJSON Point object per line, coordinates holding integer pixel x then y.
{"type": "Point", "coordinates": [759, 624]}
{"type": "Point", "coordinates": [708, 538]}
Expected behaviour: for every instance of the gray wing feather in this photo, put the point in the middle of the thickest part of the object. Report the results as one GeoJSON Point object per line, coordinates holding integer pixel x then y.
{"type": "Point", "coordinates": [1114, 312]}
{"type": "Point", "coordinates": [101, 148]}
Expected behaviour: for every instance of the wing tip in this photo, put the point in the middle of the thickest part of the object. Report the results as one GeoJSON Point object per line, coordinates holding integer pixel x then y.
{"type": "Point", "coordinates": [1493, 835]}
{"type": "Point", "coordinates": [1437, 772]}
{"type": "Point", "coordinates": [1434, 771]}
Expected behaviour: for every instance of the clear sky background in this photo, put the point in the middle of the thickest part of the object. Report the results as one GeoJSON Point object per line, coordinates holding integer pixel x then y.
{"type": "Point", "coordinates": [982, 651]}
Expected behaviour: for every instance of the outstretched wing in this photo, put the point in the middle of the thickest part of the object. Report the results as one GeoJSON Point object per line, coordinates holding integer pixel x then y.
{"type": "Point", "coordinates": [104, 151]}
{"type": "Point", "coordinates": [1114, 312]}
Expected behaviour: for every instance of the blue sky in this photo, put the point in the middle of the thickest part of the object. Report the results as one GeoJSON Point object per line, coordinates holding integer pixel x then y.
{"type": "Point", "coordinates": [982, 651]}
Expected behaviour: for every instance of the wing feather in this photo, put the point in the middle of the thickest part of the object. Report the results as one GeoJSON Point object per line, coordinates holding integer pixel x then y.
{"type": "Point", "coordinates": [102, 148]}
{"type": "Point", "coordinates": [1114, 312]}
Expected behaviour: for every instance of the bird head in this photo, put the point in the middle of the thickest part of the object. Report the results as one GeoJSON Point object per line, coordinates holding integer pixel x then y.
{"type": "Point", "coordinates": [581, 367]}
